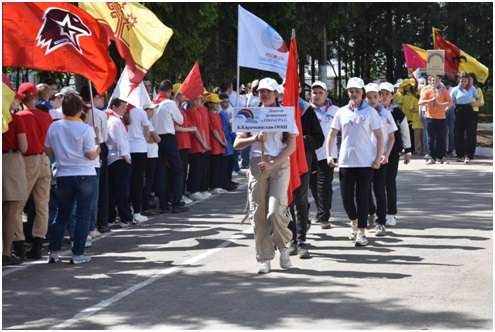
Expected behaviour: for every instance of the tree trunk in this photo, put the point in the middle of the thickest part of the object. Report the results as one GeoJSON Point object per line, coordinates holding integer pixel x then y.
{"type": "Point", "coordinates": [339, 62]}
{"type": "Point", "coordinates": [389, 52]}
{"type": "Point", "coordinates": [302, 62]}
{"type": "Point", "coordinates": [313, 69]}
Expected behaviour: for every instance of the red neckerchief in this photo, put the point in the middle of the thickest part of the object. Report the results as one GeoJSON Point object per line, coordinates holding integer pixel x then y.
{"type": "Point", "coordinates": [159, 98]}
{"type": "Point", "coordinates": [110, 113]}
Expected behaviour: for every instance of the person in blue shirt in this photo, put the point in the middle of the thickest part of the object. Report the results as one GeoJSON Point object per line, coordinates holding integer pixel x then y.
{"type": "Point", "coordinates": [464, 117]}
{"type": "Point", "coordinates": [226, 180]}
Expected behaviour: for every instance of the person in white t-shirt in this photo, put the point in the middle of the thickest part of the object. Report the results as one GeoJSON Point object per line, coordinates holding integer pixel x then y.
{"type": "Point", "coordinates": [272, 232]}
{"type": "Point", "coordinates": [74, 146]}
{"type": "Point", "coordinates": [139, 134]}
{"type": "Point", "coordinates": [321, 182]}
{"type": "Point", "coordinates": [358, 155]}
{"type": "Point", "coordinates": [380, 174]}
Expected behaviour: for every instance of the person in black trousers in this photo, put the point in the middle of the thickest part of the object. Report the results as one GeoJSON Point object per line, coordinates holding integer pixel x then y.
{"type": "Point", "coordinates": [313, 139]}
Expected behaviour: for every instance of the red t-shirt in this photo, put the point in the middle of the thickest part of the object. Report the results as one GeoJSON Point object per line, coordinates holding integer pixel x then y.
{"type": "Point", "coordinates": [215, 122]}
{"type": "Point", "coordinates": [204, 111]}
{"type": "Point", "coordinates": [195, 119]}
{"type": "Point", "coordinates": [38, 123]}
{"type": "Point", "coordinates": [9, 138]}
{"type": "Point", "coordinates": [183, 138]}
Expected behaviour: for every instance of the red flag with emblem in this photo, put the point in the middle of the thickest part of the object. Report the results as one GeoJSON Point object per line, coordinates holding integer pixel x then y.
{"type": "Point", "coordinates": [56, 36]}
{"type": "Point", "coordinates": [193, 84]}
{"type": "Point", "coordinates": [298, 164]}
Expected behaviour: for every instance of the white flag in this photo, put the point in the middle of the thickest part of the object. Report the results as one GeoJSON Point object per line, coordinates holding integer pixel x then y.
{"type": "Point", "coordinates": [259, 46]}
{"type": "Point", "coordinates": [132, 93]}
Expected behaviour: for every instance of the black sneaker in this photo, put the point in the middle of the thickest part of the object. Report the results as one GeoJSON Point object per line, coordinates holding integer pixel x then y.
{"type": "Point", "coordinates": [148, 213]}
{"type": "Point", "coordinates": [104, 229]}
{"type": "Point", "coordinates": [302, 251]}
{"type": "Point", "coordinates": [179, 209]}
{"type": "Point", "coordinates": [292, 249]}
{"type": "Point", "coordinates": [165, 210]}
{"type": "Point", "coordinates": [11, 260]}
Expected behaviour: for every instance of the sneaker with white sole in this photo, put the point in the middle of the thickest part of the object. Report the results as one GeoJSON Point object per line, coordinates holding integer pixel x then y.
{"type": "Point", "coordinates": [427, 156]}
{"type": "Point", "coordinates": [94, 234]}
{"type": "Point", "coordinates": [53, 258]}
{"type": "Point", "coordinates": [444, 161]}
{"type": "Point", "coordinates": [87, 245]}
{"type": "Point", "coordinates": [197, 196]}
{"type": "Point", "coordinates": [206, 194]}
{"type": "Point", "coordinates": [264, 266]}
{"type": "Point", "coordinates": [79, 259]}
{"type": "Point", "coordinates": [354, 230]}
{"type": "Point", "coordinates": [361, 240]}
{"type": "Point", "coordinates": [371, 221]}
{"type": "Point", "coordinates": [391, 220]}
{"type": "Point", "coordinates": [186, 200]}
{"type": "Point", "coordinates": [430, 161]}
{"type": "Point", "coordinates": [138, 217]}
{"type": "Point", "coordinates": [284, 258]}
{"type": "Point", "coordinates": [380, 230]}
{"type": "Point", "coordinates": [467, 161]}
{"type": "Point", "coordinates": [217, 191]}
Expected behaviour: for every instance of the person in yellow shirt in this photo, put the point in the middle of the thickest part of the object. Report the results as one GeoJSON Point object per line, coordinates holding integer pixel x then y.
{"type": "Point", "coordinates": [481, 101]}
{"type": "Point", "coordinates": [410, 107]}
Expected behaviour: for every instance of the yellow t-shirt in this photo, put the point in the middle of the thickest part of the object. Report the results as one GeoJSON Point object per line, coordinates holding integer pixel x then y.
{"type": "Point", "coordinates": [409, 103]}
{"type": "Point", "coordinates": [481, 100]}
{"type": "Point", "coordinates": [397, 97]}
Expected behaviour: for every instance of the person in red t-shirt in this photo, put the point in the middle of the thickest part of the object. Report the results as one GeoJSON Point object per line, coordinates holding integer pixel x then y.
{"type": "Point", "coordinates": [38, 173]}
{"type": "Point", "coordinates": [218, 143]}
{"type": "Point", "coordinates": [198, 147]}
{"type": "Point", "coordinates": [14, 186]}
{"type": "Point", "coordinates": [205, 180]}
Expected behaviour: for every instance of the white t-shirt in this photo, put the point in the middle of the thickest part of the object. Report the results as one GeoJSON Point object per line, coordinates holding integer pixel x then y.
{"type": "Point", "coordinates": [70, 139]}
{"type": "Point", "coordinates": [357, 148]}
{"type": "Point", "coordinates": [152, 147]}
{"type": "Point", "coordinates": [56, 113]}
{"type": "Point", "coordinates": [118, 139]}
{"type": "Point", "coordinates": [273, 145]}
{"type": "Point", "coordinates": [164, 117]}
{"type": "Point", "coordinates": [252, 101]}
{"type": "Point", "coordinates": [388, 126]}
{"type": "Point", "coordinates": [139, 120]}
{"type": "Point", "coordinates": [325, 115]}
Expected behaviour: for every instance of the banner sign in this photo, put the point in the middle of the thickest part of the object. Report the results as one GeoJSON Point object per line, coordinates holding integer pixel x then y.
{"type": "Point", "coordinates": [436, 62]}
{"type": "Point", "coordinates": [267, 119]}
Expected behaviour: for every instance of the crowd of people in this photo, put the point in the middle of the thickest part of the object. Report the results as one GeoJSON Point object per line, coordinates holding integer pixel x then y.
{"type": "Point", "coordinates": [73, 161]}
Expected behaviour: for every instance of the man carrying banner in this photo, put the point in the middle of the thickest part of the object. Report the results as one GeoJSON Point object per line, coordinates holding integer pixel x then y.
{"type": "Point", "coordinates": [277, 147]}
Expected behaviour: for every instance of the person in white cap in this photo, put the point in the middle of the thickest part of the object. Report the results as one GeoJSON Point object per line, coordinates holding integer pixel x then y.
{"type": "Point", "coordinates": [272, 232]}
{"type": "Point", "coordinates": [321, 182]}
{"type": "Point", "coordinates": [402, 141]}
{"type": "Point", "coordinates": [358, 155]}
{"type": "Point", "coordinates": [380, 174]}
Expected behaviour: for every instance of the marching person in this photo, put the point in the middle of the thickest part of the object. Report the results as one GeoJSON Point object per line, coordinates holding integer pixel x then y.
{"type": "Point", "coordinates": [359, 155]}
{"type": "Point", "coordinates": [272, 232]}
{"type": "Point", "coordinates": [322, 181]}
{"type": "Point", "coordinates": [437, 101]}
{"type": "Point", "coordinates": [476, 107]}
{"type": "Point", "coordinates": [401, 141]}
{"type": "Point", "coordinates": [74, 145]}
{"type": "Point", "coordinates": [38, 173]}
{"type": "Point", "coordinates": [380, 175]}
{"type": "Point", "coordinates": [313, 140]}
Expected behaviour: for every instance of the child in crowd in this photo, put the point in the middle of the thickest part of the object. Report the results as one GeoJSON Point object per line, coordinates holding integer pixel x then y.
{"type": "Point", "coordinates": [226, 182]}
{"type": "Point", "coordinates": [217, 139]}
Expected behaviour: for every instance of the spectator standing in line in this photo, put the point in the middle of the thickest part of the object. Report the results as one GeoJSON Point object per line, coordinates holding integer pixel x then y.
{"type": "Point", "coordinates": [229, 163]}
{"type": "Point", "coordinates": [476, 107]}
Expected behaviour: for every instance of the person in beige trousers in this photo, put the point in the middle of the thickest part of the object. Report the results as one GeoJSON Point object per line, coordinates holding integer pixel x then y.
{"type": "Point", "coordinates": [272, 231]}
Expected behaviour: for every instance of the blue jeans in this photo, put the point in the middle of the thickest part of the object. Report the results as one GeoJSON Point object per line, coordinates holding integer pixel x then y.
{"type": "Point", "coordinates": [94, 212]}
{"type": "Point", "coordinates": [245, 156]}
{"type": "Point", "coordinates": [450, 126]}
{"type": "Point", "coordinates": [71, 189]}
{"type": "Point", "coordinates": [426, 138]}
{"type": "Point", "coordinates": [438, 137]}
{"type": "Point", "coordinates": [236, 161]}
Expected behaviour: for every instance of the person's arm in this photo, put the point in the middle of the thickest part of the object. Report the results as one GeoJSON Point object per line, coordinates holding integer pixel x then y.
{"type": "Point", "coordinates": [390, 145]}
{"type": "Point", "coordinates": [200, 139]}
{"type": "Point", "coordinates": [290, 147]}
{"type": "Point", "coordinates": [330, 143]}
{"type": "Point", "coordinates": [154, 137]}
{"type": "Point", "coordinates": [176, 114]}
{"type": "Point", "coordinates": [146, 130]}
{"type": "Point", "coordinates": [423, 101]}
{"type": "Point", "coordinates": [49, 151]}
{"type": "Point", "coordinates": [315, 138]}
{"type": "Point", "coordinates": [243, 141]}
{"type": "Point", "coordinates": [379, 148]}
{"type": "Point", "coordinates": [185, 130]}
{"type": "Point", "coordinates": [117, 132]}
{"type": "Point", "coordinates": [22, 143]}
{"type": "Point", "coordinates": [217, 137]}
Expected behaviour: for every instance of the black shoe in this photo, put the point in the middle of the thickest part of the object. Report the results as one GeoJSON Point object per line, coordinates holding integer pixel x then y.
{"type": "Point", "coordinates": [302, 251]}
{"type": "Point", "coordinates": [292, 250]}
{"type": "Point", "coordinates": [165, 210]}
{"type": "Point", "coordinates": [35, 252]}
{"type": "Point", "coordinates": [19, 249]}
{"type": "Point", "coordinates": [234, 183]}
{"type": "Point", "coordinates": [179, 209]}
{"type": "Point", "coordinates": [104, 229]}
{"type": "Point", "coordinates": [182, 203]}
{"type": "Point", "coordinates": [11, 260]}
{"type": "Point", "coordinates": [151, 205]}
{"type": "Point", "coordinates": [230, 187]}
{"type": "Point", "coordinates": [148, 213]}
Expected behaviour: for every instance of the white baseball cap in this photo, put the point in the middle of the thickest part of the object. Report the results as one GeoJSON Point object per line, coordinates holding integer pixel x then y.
{"type": "Point", "coordinates": [280, 89]}
{"type": "Point", "coordinates": [387, 86]}
{"type": "Point", "coordinates": [150, 105]}
{"type": "Point", "coordinates": [269, 84]}
{"type": "Point", "coordinates": [372, 87]}
{"type": "Point", "coordinates": [68, 90]}
{"type": "Point", "coordinates": [319, 84]}
{"type": "Point", "coordinates": [355, 82]}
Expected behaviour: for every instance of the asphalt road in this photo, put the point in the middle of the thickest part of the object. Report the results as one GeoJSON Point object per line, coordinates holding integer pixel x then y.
{"type": "Point", "coordinates": [197, 270]}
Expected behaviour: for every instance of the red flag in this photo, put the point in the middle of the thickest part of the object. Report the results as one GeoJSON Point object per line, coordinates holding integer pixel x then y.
{"type": "Point", "coordinates": [56, 36]}
{"type": "Point", "coordinates": [193, 84]}
{"type": "Point", "coordinates": [298, 164]}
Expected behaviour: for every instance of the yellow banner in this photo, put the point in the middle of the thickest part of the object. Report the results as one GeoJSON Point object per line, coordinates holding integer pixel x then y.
{"type": "Point", "coordinates": [7, 98]}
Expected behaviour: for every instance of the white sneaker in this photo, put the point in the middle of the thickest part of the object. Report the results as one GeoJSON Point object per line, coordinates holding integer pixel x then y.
{"type": "Point", "coordinates": [354, 230]}
{"type": "Point", "coordinates": [197, 196]}
{"type": "Point", "coordinates": [138, 217]}
{"type": "Point", "coordinates": [87, 245]}
{"type": "Point", "coordinates": [380, 230]}
{"type": "Point", "coordinates": [431, 161]}
{"type": "Point", "coordinates": [264, 267]}
{"type": "Point", "coordinates": [371, 221]}
{"type": "Point", "coordinates": [466, 161]}
{"type": "Point", "coordinates": [217, 191]}
{"type": "Point", "coordinates": [284, 258]}
{"type": "Point", "coordinates": [361, 240]}
{"type": "Point", "coordinates": [427, 156]}
{"type": "Point", "coordinates": [80, 259]}
{"type": "Point", "coordinates": [206, 194]}
{"type": "Point", "coordinates": [391, 221]}
{"type": "Point", "coordinates": [186, 200]}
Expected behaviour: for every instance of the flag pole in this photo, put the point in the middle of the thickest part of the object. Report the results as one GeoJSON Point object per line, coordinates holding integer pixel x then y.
{"type": "Point", "coordinates": [92, 102]}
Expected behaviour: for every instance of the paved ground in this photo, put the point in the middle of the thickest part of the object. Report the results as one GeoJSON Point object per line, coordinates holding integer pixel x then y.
{"type": "Point", "coordinates": [197, 270]}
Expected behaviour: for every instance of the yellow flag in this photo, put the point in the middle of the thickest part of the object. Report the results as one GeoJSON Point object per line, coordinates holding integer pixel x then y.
{"type": "Point", "coordinates": [7, 98]}
{"type": "Point", "coordinates": [139, 35]}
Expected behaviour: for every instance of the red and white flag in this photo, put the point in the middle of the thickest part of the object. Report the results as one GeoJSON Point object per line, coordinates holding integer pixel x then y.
{"type": "Point", "coordinates": [134, 94]}
{"type": "Point", "coordinates": [193, 84]}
